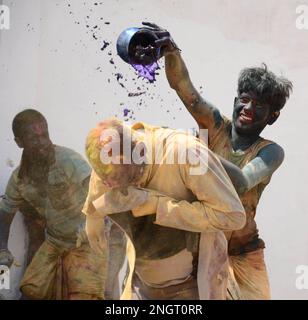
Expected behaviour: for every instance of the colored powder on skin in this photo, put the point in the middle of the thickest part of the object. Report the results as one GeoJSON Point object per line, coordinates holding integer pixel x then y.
{"type": "Point", "coordinates": [146, 71]}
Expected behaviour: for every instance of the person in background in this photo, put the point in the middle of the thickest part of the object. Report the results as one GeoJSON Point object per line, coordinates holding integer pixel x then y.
{"type": "Point", "coordinates": [50, 186]}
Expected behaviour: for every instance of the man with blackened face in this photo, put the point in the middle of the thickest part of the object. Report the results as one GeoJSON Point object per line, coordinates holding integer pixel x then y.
{"type": "Point", "coordinates": [249, 159]}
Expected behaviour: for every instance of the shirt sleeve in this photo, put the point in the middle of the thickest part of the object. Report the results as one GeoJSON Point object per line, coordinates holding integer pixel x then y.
{"type": "Point", "coordinates": [12, 199]}
{"type": "Point", "coordinates": [217, 207]}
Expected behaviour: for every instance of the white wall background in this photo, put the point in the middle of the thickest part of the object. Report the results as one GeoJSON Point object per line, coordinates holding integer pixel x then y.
{"type": "Point", "coordinates": [49, 60]}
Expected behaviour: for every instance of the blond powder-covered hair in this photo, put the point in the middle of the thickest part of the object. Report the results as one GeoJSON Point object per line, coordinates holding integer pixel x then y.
{"type": "Point", "coordinates": [95, 143]}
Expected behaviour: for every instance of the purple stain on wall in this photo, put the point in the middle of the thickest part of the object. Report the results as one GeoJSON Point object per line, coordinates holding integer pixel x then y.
{"type": "Point", "coordinates": [147, 71]}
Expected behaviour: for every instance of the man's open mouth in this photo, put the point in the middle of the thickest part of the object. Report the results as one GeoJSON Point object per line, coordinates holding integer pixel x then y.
{"type": "Point", "coordinates": [245, 118]}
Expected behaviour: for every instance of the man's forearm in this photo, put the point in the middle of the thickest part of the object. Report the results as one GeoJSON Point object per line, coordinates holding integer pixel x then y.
{"type": "Point", "coordinates": [236, 176]}
{"type": "Point", "coordinates": [197, 216]}
{"type": "Point", "coordinates": [175, 69]}
{"type": "Point", "coordinates": [206, 115]}
{"type": "Point", "coordinates": [179, 80]}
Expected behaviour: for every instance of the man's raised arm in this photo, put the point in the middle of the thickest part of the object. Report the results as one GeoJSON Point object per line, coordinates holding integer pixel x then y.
{"type": "Point", "coordinates": [206, 115]}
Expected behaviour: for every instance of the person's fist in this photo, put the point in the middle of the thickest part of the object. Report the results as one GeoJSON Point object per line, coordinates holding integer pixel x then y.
{"type": "Point", "coordinates": [165, 41]}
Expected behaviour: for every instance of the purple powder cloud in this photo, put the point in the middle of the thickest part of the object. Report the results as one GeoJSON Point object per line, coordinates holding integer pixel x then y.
{"type": "Point", "coordinates": [146, 71]}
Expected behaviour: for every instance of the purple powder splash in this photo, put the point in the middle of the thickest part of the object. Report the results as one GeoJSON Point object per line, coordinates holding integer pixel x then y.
{"type": "Point", "coordinates": [147, 71]}
{"type": "Point", "coordinates": [135, 94]}
{"type": "Point", "coordinates": [105, 45]}
{"type": "Point", "coordinates": [119, 76]}
{"type": "Point", "coordinates": [125, 112]}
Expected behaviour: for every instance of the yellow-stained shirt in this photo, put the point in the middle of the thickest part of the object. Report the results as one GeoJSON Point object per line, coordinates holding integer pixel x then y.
{"type": "Point", "coordinates": [197, 198]}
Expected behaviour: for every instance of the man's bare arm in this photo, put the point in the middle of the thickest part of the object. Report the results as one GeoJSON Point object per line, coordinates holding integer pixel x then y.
{"type": "Point", "coordinates": [205, 114]}
{"type": "Point", "coordinates": [257, 170]}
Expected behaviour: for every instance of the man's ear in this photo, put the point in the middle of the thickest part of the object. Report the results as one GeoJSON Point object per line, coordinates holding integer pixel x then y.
{"type": "Point", "coordinates": [19, 142]}
{"type": "Point", "coordinates": [274, 116]}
